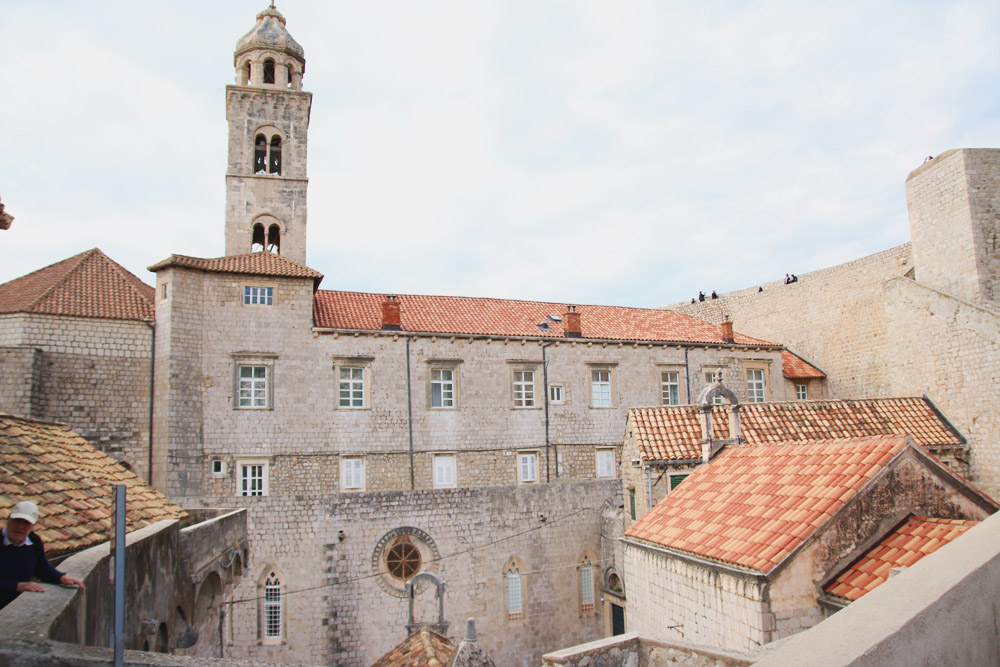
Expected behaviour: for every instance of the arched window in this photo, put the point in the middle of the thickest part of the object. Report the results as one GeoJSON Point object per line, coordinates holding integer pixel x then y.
{"type": "Point", "coordinates": [260, 155]}
{"type": "Point", "coordinates": [274, 160]}
{"type": "Point", "coordinates": [272, 608]}
{"type": "Point", "coordinates": [245, 74]}
{"type": "Point", "coordinates": [269, 71]}
{"type": "Point", "coordinates": [586, 585]}
{"type": "Point", "coordinates": [274, 239]}
{"type": "Point", "coordinates": [515, 603]}
{"type": "Point", "coordinates": [257, 240]}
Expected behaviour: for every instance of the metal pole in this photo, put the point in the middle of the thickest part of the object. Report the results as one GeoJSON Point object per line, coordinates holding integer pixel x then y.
{"type": "Point", "coordinates": [119, 584]}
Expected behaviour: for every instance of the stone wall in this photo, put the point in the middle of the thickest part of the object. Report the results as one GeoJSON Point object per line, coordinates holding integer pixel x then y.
{"type": "Point", "coordinates": [342, 608]}
{"type": "Point", "coordinates": [632, 650]}
{"type": "Point", "coordinates": [91, 374]}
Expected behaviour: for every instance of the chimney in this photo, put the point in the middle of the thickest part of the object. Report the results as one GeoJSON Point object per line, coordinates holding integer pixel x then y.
{"type": "Point", "coordinates": [391, 320]}
{"type": "Point", "coordinates": [727, 331]}
{"type": "Point", "coordinates": [571, 323]}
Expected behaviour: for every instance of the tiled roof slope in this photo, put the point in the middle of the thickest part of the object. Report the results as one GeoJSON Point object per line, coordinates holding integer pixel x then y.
{"type": "Point", "coordinates": [86, 285]}
{"type": "Point", "coordinates": [71, 482]}
{"type": "Point", "coordinates": [795, 367]}
{"type": "Point", "coordinates": [253, 264]}
{"type": "Point", "coordinates": [507, 317]}
{"type": "Point", "coordinates": [423, 648]}
{"type": "Point", "coordinates": [903, 547]}
{"type": "Point", "coordinates": [673, 432]}
{"type": "Point", "coordinates": [753, 506]}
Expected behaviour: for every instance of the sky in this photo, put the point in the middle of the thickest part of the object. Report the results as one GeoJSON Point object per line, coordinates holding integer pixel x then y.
{"type": "Point", "coordinates": [625, 153]}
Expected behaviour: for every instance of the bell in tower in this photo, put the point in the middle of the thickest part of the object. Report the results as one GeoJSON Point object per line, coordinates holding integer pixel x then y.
{"type": "Point", "coordinates": [268, 114]}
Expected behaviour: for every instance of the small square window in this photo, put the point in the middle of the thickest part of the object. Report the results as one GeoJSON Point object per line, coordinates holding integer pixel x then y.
{"type": "Point", "coordinates": [605, 463]}
{"type": "Point", "coordinates": [556, 394]}
{"type": "Point", "coordinates": [600, 389]}
{"type": "Point", "coordinates": [253, 478]}
{"type": "Point", "coordinates": [258, 296]}
{"type": "Point", "coordinates": [524, 389]}
{"type": "Point", "coordinates": [675, 481]}
{"type": "Point", "coordinates": [218, 467]}
{"type": "Point", "coordinates": [352, 473]}
{"type": "Point", "coordinates": [527, 467]}
{"type": "Point", "coordinates": [802, 392]}
{"type": "Point", "coordinates": [444, 470]}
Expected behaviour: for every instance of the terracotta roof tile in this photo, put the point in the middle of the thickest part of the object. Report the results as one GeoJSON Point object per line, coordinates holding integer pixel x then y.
{"type": "Point", "coordinates": [71, 482]}
{"type": "Point", "coordinates": [507, 317]}
{"type": "Point", "coordinates": [673, 432]}
{"type": "Point", "coordinates": [255, 264]}
{"type": "Point", "coordinates": [86, 285]}
{"type": "Point", "coordinates": [746, 482]}
{"type": "Point", "coordinates": [424, 648]}
{"type": "Point", "coordinates": [902, 547]}
{"type": "Point", "coordinates": [795, 367]}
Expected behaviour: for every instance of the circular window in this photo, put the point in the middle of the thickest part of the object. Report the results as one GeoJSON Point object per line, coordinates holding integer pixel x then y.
{"type": "Point", "coordinates": [403, 560]}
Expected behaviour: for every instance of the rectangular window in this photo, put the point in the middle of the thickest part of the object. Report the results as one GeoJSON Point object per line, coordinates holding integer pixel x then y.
{"type": "Point", "coordinates": [352, 473]}
{"type": "Point", "coordinates": [352, 387]}
{"type": "Point", "coordinates": [605, 463]}
{"type": "Point", "coordinates": [218, 467]}
{"type": "Point", "coordinates": [527, 467]}
{"type": "Point", "coordinates": [755, 385]}
{"type": "Point", "coordinates": [258, 296]}
{"type": "Point", "coordinates": [272, 610]}
{"type": "Point", "coordinates": [631, 502]}
{"type": "Point", "coordinates": [444, 470]}
{"type": "Point", "coordinates": [586, 588]}
{"type": "Point", "coordinates": [710, 378]}
{"type": "Point", "coordinates": [670, 387]}
{"type": "Point", "coordinates": [164, 291]}
{"type": "Point", "coordinates": [802, 392]}
{"type": "Point", "coordinates": [675, 481]}
{"type": "Point", "coordinates": [253, 479]}
{"type": "Point", "coordinates": [600, 389]}
{"type": "Point", "coordinates": [442, 388]}
{"type": "Point", "coordinates": [253, 387]}
{"type": "Point", "coordinates": [555, 393]}
{"type": "Point", "coordinates": [524, 389]}
{"type": "Point", "coordinates": [514, 604]}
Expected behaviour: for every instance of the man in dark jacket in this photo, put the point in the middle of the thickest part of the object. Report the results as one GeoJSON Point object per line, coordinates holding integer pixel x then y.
{"type": "Point", "coordinates": [22, 557]}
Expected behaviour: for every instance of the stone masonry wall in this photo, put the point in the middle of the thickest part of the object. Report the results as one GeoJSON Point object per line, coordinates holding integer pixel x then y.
{"type": "Point", "coordinates": [91, 374]}
{"type": "Point", "coordinates": [693, 602]}
{"type": "Point", "coordinates": [340, 607]}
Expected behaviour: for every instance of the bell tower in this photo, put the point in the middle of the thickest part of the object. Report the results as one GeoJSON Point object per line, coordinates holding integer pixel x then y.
{"type": "Point", "coordinates": [268, 114]}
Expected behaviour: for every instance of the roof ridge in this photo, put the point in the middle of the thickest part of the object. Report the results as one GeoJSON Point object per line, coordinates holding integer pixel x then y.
{"type": "Point", "coordinates": [73, 266]}
{"type": "Point", "coordinates": [134, 282]}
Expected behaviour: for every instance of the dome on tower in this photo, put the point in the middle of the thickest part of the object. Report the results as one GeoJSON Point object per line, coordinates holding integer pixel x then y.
{"type": "Point", "coordinates": [270, 33]}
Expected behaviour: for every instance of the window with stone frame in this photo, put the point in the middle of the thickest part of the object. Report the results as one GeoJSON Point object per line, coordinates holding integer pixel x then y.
{"type": "Point", "coordinates": [670, 388]}
{"type": "Point", "coordinates": [271, 622]}
{"type": "Point", "coordinates": [352, 387]}
{"type": "Point", "coordinates": [755, 385]}
{"type": "Point", "coordinates": [600, 388]}
{"type": "Point", "coordinates": [514, 592]}
{"type": "Point", "coordinates": [253, 477]}
{"type": "Point", "coordinates": [255, 295]}
{"type": "Point", "coordinates": [352, 473]}
{"type": "Point", "coordinates": [606, 462]}
{"type": "Point", "coordinates": [802, 392]}
{"type": "Point", "coordinates": [444, 470]}
{"type": "Point", "coordinates": [586, 571]}
{"type": "Point", "coordinates": [442, 387]}
{"type": "Point", "coordinates": [555, 394]}
{"type": "Point", "coordinates": [252, 385]}
{"type": "Point", "coordinates": [527, 467]}
{"type": "Point", "coordinates": [524, 388]}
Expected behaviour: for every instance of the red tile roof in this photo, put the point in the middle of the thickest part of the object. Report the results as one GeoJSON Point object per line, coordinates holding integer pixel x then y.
{"type": "Point", "coordinates": [507, 317]}
{"type": "Point", "coordinates": [904, 546]}
{"type": "Point", "coordinates": [424, 648]}
{"type": "Point", "coordinates": [673, 432]}
{"type": "Point", "coordinates": [86, 285]}
{"type": "Point", "coordinates": [254, 264]}
{"type": "Point", "coordinates": [753, 506]}
{"type": "Point", "coordinates": [795, 367]}
{"type": "Point", "coordinates": [71, 482]}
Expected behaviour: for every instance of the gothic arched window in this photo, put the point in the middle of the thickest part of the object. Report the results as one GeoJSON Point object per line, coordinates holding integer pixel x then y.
{"type": "Point", "coordinates": [272, 607]}
{"type": "Point", "coordinates": [512, 583]}
{"type": "Point", "coordinates": [260, 155]}
{"type": "Point", "coordinates": [269, 71]}
{"type": "Point", "coordinates": [274, 159]}
{"type": "Point", "coordinates": [586, 585]}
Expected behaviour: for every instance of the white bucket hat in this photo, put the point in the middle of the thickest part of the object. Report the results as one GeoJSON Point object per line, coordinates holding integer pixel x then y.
{"type": "Point", "coordinates": [26, 510]}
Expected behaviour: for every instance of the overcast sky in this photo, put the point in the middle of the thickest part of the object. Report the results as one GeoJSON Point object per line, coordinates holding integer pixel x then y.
{"type": "Point", "coordinates": [616, 152]}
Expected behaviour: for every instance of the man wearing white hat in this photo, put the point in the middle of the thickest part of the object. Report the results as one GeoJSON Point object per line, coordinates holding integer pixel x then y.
{"type": "Point", "coordinates": [22, 556]}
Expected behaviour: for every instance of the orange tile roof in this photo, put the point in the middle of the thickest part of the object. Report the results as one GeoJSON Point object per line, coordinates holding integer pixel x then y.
{"type": "Point", "coordinates": [71, 482]}
{"type": "Point", "coordinates": [254, 264]}
{"type": "Point", "coordinates": [795, 367]}
{"type": "Point", "coordinates": [507, 317]}
{"type": "Point", "coordinates": [673, 432]}
{"type": "Point", "coordinates": [904, 546]}
{"type": "Point", "coordinates": [86, 285]}
{"type": "Point", "coordinates": [423, 648]}
{"type": "Point", "coordinates": [753, 506]}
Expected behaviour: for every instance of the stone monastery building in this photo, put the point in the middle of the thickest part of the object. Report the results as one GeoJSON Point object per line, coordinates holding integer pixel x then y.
{"type": "Point", "coordinates": [372, 437]}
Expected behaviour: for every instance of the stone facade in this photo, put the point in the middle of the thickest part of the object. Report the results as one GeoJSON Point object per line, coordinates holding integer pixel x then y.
{"type": "Point", "coordinates": [919, 318]}
{"type": "Point", "coordinates": [91, 374]}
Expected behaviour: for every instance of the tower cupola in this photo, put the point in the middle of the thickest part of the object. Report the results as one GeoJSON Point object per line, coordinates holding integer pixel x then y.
{"type": "Point", "coordinates": [269, 56]}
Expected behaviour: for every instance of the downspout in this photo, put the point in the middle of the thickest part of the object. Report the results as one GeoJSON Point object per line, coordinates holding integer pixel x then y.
{"type": "Point", "coordinates": [409, 409]}
{"type": "Point", "coordinates": [152, 368]}
{"type": "Point", "coordinates": [545, 386]}
{"type": "Point", "coordinates": [687, 376]}
{"type": "Point", "coordinates": [649, 486]}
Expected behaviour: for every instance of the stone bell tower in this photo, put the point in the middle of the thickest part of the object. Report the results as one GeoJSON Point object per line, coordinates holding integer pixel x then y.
{"type": "Point", "coordinates": [268, 114]}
